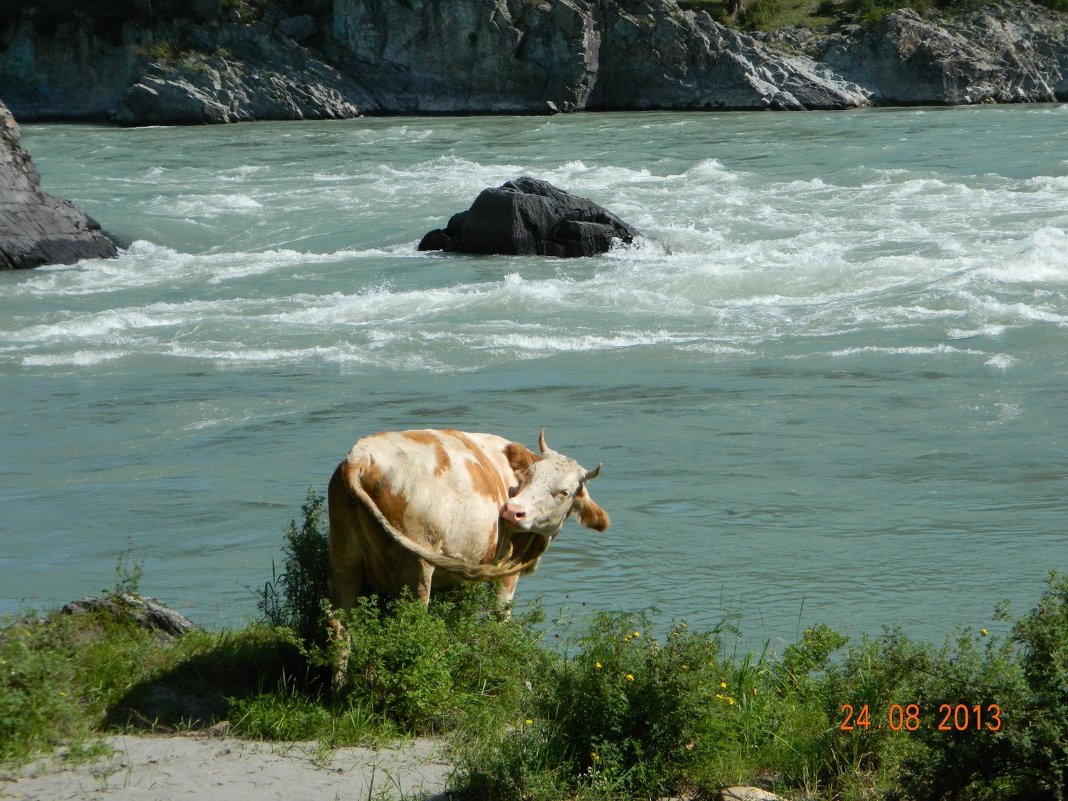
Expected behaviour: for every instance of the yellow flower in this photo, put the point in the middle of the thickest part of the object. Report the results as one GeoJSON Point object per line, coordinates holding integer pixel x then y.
{"type": "Point", "coordinates": [984, 632]}
{"type": "Point", "coordinates": [597, 665]}
{"type": "Point", "coordinates": [630, 677]}
{"type": "Point", "coordinates": [730, 701]}
{"type": "Point", "coordinates": [685, 667]}
{"type": "Point", "coordinates": [636, 634]}
{"type": "Point", "coordinates": [529, 721]}
{"type": "Point", "coordinates": [723, 685]}
{"type": "Point", "coordinates": [595, 756]}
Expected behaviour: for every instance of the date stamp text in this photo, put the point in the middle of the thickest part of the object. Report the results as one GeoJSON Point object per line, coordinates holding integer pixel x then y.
{"type": "Point", "coordinates": [910, 717]}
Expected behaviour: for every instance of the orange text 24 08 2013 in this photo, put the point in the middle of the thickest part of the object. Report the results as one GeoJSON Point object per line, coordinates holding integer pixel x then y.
{"type": "Point", "coordinates": [910, 717]}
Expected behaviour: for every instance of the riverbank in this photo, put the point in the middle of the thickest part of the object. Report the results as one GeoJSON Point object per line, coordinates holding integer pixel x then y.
{"type": "Point", "coordinates": [357, 57]}
{"type": "Point", "coordinates": [617, 709]}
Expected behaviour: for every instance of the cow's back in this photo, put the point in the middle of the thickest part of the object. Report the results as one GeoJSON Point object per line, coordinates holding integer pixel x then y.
{"type": "Point", "coordinates": [441, 489]}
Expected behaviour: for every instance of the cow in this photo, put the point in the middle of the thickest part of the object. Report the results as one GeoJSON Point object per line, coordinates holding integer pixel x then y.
{"type": "Point", "coordinates": [428, 509]}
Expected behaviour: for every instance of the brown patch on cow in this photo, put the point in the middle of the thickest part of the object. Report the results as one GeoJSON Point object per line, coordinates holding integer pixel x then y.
{"type": "Point", "coordinates": [484, 476]}
{"type": "Point", "coordinates": [491, 550]}
{"type": "Point", "coordinates": [422, 437]}
{"type": "Point", "coordinates": [520, 457]}
{"type": "Point", "coordinates": [589, 513]}
{"type": "Point", "coordinates": [392, 504]}
{"type": "Point", "coordinates": [442, 462]}
{"type": "Point", "coordinates": [484, 483]}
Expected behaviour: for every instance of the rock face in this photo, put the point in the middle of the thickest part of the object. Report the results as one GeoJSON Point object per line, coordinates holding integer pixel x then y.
{"type": "Point", "coordinates": [530, 217]}
{"type": "Point", "coordinates": [180, 73]}
{"type": "Point", "coordinates": [1007, 53]}
{"type": "Point", "coordinates": [238, 73]}
{"type": "Point", "coordinates": [517, 56]}
{"type": "Point", "coordinates": [36, 228]}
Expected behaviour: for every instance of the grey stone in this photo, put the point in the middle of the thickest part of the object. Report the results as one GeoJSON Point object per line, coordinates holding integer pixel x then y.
{"type": "Point", "coordinates": [744, 793]}
{"type": "Point", "coordinates": [530, 217]}
{"type": "Point", "coordinates": [35, 227]}
{"type": "Point", "coordinates": [148, 613]}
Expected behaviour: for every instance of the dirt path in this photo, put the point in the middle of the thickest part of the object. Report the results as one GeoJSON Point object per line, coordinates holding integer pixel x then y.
{"type": "Point", "coordinates": [228, 769]}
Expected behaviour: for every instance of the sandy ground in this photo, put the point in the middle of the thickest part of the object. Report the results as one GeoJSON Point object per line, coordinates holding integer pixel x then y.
{"type": "Point", "coordinates": [227, 769]}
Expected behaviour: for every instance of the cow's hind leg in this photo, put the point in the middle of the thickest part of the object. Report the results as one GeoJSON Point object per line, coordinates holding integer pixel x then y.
{"type": "Point", "coordinates": [424, 580]}
{"type": "Point", "coordinates": [345, 584]}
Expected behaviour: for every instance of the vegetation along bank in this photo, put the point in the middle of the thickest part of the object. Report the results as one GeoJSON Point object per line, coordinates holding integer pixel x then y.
{"type": "Point", "coordinates": [141, 62]}
{"type": "Point", "coordinates": [616, 706]}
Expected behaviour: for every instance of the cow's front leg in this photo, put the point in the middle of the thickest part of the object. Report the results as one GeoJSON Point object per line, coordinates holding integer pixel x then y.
{"type": "Point", "coordinates": [505, 594]}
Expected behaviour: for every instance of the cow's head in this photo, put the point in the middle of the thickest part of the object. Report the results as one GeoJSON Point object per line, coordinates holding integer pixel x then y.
{"type": "Point", "coordinates": [548, 489]}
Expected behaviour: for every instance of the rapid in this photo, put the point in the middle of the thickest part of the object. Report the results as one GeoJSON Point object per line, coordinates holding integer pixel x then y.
{"type": "Point", "coordinates": [830, 384]}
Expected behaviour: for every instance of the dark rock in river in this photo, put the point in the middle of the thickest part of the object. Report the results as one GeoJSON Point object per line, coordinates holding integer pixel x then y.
{"type": "Point", "coordinates": [36, 228]}
{"type": "Point", "coordinates": [530, 217]}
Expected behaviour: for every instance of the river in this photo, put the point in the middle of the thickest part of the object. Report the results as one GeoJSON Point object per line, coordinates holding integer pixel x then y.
{"type": "Point", "coordinates": [829, 385]}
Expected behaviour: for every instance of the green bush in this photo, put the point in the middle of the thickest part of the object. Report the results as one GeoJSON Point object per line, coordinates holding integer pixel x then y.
{"type": "Point", "coordinates": [1041, 741]}
{"type": "Point", "coordinates": [624, 716]}
{"type": "Point", "coordinates": [430, 669]}
{"type": "Point", "coordinates": [761, 15]}
{"type": "Point", "coordinates": [60, 676]}
{"type": "Point", "coordinates": [295, 598]}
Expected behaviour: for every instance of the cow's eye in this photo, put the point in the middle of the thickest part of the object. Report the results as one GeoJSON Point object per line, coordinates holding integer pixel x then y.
{"type": "Point", "coordinates": [561, 494]}
{"type": "Point", "coordinates": [513, 491]}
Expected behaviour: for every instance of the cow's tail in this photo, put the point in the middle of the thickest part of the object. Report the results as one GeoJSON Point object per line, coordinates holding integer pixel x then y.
{"type": "Point", "coordinates": [466, 570]}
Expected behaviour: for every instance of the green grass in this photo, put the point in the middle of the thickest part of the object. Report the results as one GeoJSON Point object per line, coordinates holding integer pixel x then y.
{"type": "Point", "coordinates": [616, 708]}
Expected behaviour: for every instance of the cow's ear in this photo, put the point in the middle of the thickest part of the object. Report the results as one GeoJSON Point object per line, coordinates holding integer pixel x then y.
{"type": "Point", "coordinates": [589, 513]}
{"type": "Point", "coordinates": [519, 457]}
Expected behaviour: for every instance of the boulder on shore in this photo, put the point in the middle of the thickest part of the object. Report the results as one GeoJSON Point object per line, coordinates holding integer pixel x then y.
{"type": "Point", "coordinates": [147, 613]}
{"type": "Point", "coordinates": [527, 217]}
{"type": "Point", "coordinates": [36, 228]}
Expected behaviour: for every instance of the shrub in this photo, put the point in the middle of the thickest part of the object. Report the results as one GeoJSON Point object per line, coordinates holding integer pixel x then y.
{"type": "Point", "coordinates": [60, 676]}
{"type": "Point", "coordinates": [1042, 740]}
{"type": "Point", "coordinates": [761, 15]}
{"type": "Point", "coordinates": [295, 598]}
{"type": "Point", "coordinates": [969, 700]}
{"type": "Point", "coordinates": [430, 669]}
{"type": "Point", "coordinates": [625, 716]}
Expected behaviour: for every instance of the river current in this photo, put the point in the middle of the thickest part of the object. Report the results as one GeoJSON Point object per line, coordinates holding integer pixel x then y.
{"type": "Point", "coordinates": [829, 385]}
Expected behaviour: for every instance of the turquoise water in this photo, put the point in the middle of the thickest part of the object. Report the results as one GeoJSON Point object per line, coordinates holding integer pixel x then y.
{"type": "Point", "coordinates": [830, 385]}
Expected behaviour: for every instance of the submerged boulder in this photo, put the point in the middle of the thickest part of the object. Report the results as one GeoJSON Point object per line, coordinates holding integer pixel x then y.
{"type": "Point", "coordinates": [527, 217]}
{"type": "Point", "coordinates": [36, 228]}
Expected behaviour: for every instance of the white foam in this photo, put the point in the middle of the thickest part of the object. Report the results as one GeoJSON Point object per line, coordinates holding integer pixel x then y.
{"type": "Point", "coordinates": [1001, 362]}
{"type": "Point", "coordinates": [206, 205]}
{"type": "Point", "coordinates": [908, 350]}
{"type": "Point", "coordinates": [80, 358]}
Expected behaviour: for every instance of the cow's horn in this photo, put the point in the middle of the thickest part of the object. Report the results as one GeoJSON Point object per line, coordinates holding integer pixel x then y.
{"type": "Point", "coordinates": [592, 474]}
{"type": "Point", "coordinates": [541, 441]}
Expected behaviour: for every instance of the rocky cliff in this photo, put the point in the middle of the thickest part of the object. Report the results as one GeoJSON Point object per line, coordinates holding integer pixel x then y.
{"type": "Point", "coordinates": [520, 56]}
{"type": "Point", "coordinates": [36, 228]}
